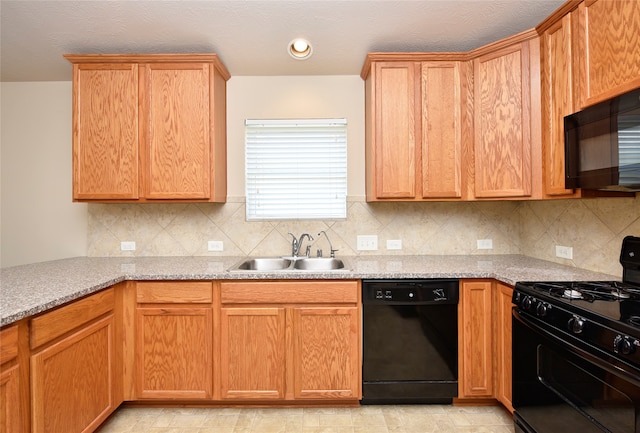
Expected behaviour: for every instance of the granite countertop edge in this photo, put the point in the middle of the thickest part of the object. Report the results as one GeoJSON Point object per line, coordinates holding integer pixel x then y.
{"type": "Point", "coordinates": [31, 289]}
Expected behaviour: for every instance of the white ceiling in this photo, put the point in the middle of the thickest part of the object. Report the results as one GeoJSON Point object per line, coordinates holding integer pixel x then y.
{"type": "Point", "coordinates": [251, 36]}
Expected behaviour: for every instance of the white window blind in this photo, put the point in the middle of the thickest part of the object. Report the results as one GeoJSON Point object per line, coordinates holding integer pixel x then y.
{"type": "Point", "coordinates": [296, 169]}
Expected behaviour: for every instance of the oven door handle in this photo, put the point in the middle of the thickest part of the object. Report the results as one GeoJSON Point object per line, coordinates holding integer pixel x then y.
{"type": "Point", "coordinates": [571, 343]}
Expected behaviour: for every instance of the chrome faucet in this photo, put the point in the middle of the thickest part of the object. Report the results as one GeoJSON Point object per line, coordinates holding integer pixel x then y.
{"type": "Point", "coordinates": [297, 243]}
{"type": "Point", "coordinates": [333, 252]}
{"type": "Point", "coordinates": [310, 238]}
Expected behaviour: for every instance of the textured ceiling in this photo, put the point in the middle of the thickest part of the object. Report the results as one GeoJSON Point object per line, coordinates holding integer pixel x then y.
{"type": "Point", "coordinates": [250, 36]}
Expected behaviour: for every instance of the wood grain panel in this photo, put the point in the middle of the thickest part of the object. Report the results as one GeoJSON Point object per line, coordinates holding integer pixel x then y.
{"type": "Point", "coordinates": [611, 39]}
{"type": "Point", "coordinates": [64, 373]}
{"type": "Point", "coordinates": [326, 354]}
{"type": "Point", "coordinates": [502, 349]}
{"type": "Point", "coordinates": [557, 102]}
{"type": "Point", "coordinates": [396, 151]}
{"type": "Point", "coordinates": [161, 292]}
{"type": "Point", "coordinates": [10, 413]}
{"type": "Point", "coordinates": [174, 352]}
{"type": "Point", "coordinates": [105, 131]}
{"type": "Point", "coordinates": [54, 324]}
{"type": "Point", "coordinates": [253, 353]}
{"type": "Point", "coordinates": [290, 292]}
{"type": "Point", "coordinates": [502, 123]}
{"type": "Point", "coordinates": [178, 142]}
{"type": "Point", "coordinates": [8, 344]}
{"type": "Point", "coordinates": [476, 342]}
{"type": "Point", "coordinates": [441, 130]}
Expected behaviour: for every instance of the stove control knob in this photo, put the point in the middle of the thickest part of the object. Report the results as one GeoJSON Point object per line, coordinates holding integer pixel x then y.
{"type": "Point", "coordinates": [542, 309]}
{"type": "Point", "coordinates": [624, 345]}
{"type": "Point", "coordinates": [526, 302]}
{"type": "Point", "coordinates": [576, 324]}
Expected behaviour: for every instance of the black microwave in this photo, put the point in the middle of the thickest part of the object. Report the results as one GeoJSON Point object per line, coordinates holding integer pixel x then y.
{"type": "Point", "coordinates": [602, 145]}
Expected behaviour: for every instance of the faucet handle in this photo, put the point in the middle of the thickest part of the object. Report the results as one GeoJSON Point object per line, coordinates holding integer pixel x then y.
{"type": "Point", "coordinates": [294, 245]}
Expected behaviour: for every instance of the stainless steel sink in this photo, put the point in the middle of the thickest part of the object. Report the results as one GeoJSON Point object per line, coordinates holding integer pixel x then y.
{"type": "Point", "coordinates": [264, 264]}
{"type": "Point", "coordinates": [319, 264]}
{"type": "Point", "coordinates": [278, 264]}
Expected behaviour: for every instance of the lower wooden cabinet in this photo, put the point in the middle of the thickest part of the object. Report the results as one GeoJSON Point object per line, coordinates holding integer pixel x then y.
{"type": "Point", "coordinates": [326, 353]}
{"type": "Point", "coordinates": [11, 386]}
{"type": "Point", "coordinates": [174, 340]}
{"type": "Point", "coordinates": [73, 366]}
{"type": "Point", "coordinates": [290, 340]}
{"type": "Point", "coordinates": [485, 341]}
{"type": "Point", "coordinates": [253, 353]}
{"type": "Point", "coordinates": [475, 339]}
{"type": "Point", "coordinates": [502, 325]}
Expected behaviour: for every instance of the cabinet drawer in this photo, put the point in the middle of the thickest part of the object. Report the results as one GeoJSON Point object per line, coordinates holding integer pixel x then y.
{"type": "Point", "coordinates": [58, 322]}
{"type": "Point", "coordinates": [289, 292]}
{"type": "Point", "coordinates": [8, 344]}
{"type": "Point", "coordinates": [174, 292]}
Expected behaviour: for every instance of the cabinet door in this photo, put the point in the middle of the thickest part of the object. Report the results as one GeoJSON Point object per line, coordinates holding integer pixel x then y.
{"type": "Point", "coordinates": [10, 387]}
{"type": "Point", "coordinates": [557, 102]}
{"type": "Point", "coordinates": [394, 150]}
{"type": "Point", "coordinates": [253, 353]}
{"type": "Point", "coordinates": [502, 123]}
{"type": "Point", "coordinates": [441, 130]}
{"type": "Point", "coordinates": [503, 326]}
{"type": "Point", "coordinates": [607, 42]}
{"type": "Point", "coordinates": [326, 353]}
{"type": "Point", "coordinates": [174, 352]}
{"type": "Point", "coordinates": [105, 131]}
{"type": "Point", "coordinates": [476, 339]}
{"type": "Point", "coordinates": [73, 380]}
{"type": "Point", "coordinates": [177, 130]}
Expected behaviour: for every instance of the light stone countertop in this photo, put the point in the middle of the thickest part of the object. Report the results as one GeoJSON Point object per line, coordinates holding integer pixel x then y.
{"type": "Point", "coordinates": [31, 289]}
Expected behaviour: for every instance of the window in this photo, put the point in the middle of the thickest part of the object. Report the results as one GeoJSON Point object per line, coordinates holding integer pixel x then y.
{"type": "Point", "coordinates": [296, 169]}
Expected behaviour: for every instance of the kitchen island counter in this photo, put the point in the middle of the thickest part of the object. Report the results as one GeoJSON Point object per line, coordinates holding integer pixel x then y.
{"type": "Point", "coordinates": [31, 289]}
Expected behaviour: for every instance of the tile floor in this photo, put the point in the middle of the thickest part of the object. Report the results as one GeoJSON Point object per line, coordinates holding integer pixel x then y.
{"type": "Point", "coordinates": [365, 419]}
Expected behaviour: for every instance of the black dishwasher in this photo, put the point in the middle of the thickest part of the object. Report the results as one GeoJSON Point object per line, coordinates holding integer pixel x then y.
{"type": "Point", "coordinates": [410, 341]}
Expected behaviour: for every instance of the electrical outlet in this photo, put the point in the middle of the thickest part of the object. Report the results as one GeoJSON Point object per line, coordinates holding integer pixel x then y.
{"type": "Point", "coordinates": [215, 246]}
{"type": "Point", "coordinates": [367, 242]}
{"type": "Point", "coordinates": [128, 246]}
{"type": "Point", "coordinates": [485, 244]}
{"type": "Point", "coordinates": [564, 252]}
{"type": "Point", "coordinates": [394, 244]}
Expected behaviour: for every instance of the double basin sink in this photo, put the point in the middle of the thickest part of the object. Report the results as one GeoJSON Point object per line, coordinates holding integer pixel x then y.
{"type": "Point", "coordinates": [276, 264]}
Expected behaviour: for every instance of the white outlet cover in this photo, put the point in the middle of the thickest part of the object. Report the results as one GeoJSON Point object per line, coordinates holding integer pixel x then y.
{"type": "Point", "coordinates": [394, 244]}
{"type": "Point", "coordinates": [367, 242]}
{"type": "Point", "coordinates": [128, 246]}
{"type": "Point", "coordinates": [485, 244]}
{"type": "Point", "coordinates": [564, 252]}
{"type": "Point", "coordinates": [215, 246]}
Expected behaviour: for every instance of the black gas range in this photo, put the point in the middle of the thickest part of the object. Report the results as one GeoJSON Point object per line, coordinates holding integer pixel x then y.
{"type": "Point", "coordinates": [576, 352]}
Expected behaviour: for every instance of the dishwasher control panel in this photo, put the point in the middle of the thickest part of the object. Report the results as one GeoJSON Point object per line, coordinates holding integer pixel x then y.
{"type": "Point", "coordinates": [410, 291]}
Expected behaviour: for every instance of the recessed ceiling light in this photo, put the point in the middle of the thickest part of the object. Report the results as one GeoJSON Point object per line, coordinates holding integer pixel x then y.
{"type": "Point", "coordinates": [300, 49]}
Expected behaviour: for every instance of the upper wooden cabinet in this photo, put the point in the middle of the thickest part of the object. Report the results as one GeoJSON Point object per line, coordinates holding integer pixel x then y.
{"type": "Point", "coordinates": [607, 41]}
{"type": "Point", "coordinates": [557, 93]}
{"type": "Point", "coordinates": [506, 109]}
{"type": "Point", "coordinates": [415, 122]}
{"type": "Point", "coordinates": [149, 127]}
{"type": "Point", "coordinates": [454, 126]}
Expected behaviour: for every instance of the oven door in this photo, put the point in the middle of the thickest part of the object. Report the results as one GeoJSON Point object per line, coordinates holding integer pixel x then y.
{"type": "Point", "coordinates": [561, 387]}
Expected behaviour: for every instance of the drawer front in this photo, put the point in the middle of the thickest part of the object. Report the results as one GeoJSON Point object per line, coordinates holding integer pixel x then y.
{"type": "Point", "coordinates": [290, 292]}
{"type": "Point", "coordinates": [51, 325]}
{"type": "Point", "coordinates": [174, 292]}
{"type": "Point", "coordinates": [8, 344]}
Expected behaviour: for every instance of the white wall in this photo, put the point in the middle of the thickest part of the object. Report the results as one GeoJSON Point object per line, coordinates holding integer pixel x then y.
{"type": "Point", "coordinates": [39, 221]}
{"type": "Point", "coordinates": [273, 97]}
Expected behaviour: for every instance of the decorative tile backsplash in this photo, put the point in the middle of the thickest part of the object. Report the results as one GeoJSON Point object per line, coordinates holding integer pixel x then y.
{"type": "Point", "coordinates": [594, 228]}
